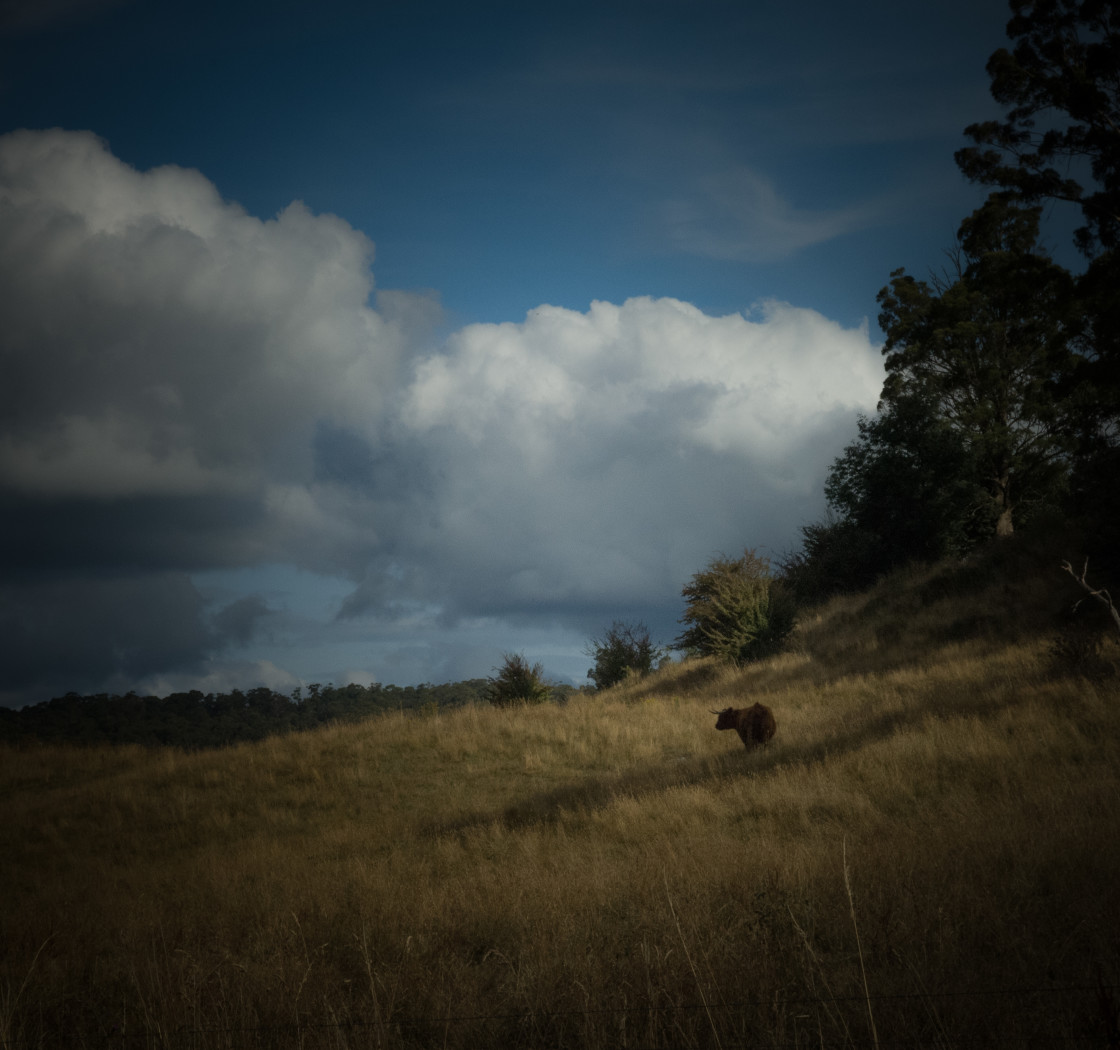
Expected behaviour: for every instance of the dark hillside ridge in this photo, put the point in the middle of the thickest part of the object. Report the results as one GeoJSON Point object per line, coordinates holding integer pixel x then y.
{"type": "Point", "coordinates": [194, 720]}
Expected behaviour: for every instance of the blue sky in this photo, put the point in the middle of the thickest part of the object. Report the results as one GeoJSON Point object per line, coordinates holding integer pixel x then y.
{"type": "Point", "coordinates": [365, 341]}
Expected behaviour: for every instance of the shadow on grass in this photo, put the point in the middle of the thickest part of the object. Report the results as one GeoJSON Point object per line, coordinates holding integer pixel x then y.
{"type": "Point", "coordinates": [596, 792]}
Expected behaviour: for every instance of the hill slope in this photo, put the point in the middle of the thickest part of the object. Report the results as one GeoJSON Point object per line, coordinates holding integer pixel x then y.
{"type": "Point", "coordinates": [926, 854]}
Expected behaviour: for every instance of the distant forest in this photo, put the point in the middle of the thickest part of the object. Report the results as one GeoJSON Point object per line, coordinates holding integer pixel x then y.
{"type": "Point", "coordinates": [195, 720]}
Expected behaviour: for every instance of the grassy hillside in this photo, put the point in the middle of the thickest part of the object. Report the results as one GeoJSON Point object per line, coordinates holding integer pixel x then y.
{"type": "Point", "coordinates": [928, 854]}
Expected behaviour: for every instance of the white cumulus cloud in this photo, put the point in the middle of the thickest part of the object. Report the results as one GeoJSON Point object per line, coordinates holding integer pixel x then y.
{"type": "Point", "coordinates": [577, 457]}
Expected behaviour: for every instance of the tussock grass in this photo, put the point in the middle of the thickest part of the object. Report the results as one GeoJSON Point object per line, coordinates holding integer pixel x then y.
{"type": "Point", "coordinates": [927, 854]}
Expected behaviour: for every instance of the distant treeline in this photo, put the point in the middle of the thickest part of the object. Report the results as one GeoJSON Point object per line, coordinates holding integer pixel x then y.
{"type": "Point", "coordinates": [196, 720]}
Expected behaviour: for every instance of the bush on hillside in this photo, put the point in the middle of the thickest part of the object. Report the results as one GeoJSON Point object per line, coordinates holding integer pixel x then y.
{"type": "Point", "coordinates": [624, 649]}
{"type": "Point", "coordinates": [518, 682]}
{"type": "Point", "coordinates": [736, 610]}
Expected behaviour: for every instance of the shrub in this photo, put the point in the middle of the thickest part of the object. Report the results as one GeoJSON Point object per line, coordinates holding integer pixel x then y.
{"type": "Point", "coordinates": [736, 610]}
{"type": "Point", "coordinates": [624, 649]}
{"type": "Point", "coordinates": [517, 682]}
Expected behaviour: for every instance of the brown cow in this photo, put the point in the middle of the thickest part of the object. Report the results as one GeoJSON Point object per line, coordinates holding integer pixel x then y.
{"type": "Point", "coordinates": [755, 725]}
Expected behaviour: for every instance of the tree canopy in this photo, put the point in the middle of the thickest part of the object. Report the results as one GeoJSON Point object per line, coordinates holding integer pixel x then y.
{"type": "Point", "coordinates": [1002, 394]}
{"type": "Point", "coordinates": [988, 347]}
{"type": "Point", "coordinates": [1060, 141]}
{"type": "Point", "coordinates": [1060, 138]}
{"type": "Point", "coordinates": [909, 484]}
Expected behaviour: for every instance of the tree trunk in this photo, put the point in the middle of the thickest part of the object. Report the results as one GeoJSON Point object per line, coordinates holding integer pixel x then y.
{"type": "Point", "coordinates": [1005, 526]}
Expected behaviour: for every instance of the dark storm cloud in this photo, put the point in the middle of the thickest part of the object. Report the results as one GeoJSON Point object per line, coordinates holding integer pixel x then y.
{"type": "Point", "coordinates": [87, 633]}
{"type": "Point", "coordinates": [29, 16]}
{"type": "Point", "coordinates": [237, 622]}
{"type": "Point", "coordinates": [43, 537]}
{"type": "Point", "coordinates": [168, 362]}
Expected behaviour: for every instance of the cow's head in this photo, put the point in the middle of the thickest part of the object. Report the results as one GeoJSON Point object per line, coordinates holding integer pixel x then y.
{"type": "Point", "coordinates": [727, 718]}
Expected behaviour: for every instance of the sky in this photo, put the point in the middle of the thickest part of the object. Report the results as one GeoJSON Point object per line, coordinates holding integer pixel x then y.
{"type": "Point", "coordinates": [371, 342]}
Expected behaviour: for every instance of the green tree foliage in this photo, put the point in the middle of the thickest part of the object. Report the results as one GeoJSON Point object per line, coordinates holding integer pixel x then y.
{"type": "Point", "coordinates": [736, 610]}
{"type": "Point", "coordinates": [910, 483]}
{"type": "Point", "coordinates": [1060, 141]}
{"type": "Point", "coordinates": [622, 650]}
{"type": "Point", "coordinates": [905, 490]}
{"type": "Point", "coordinates": [1003, 387]}
{"type": "Point", "coordinates": [989, 347]}
{"type": "Point", "coordinates": [1060, 85]}
{"type": "Point", "coordinates": [836, 556]}
{"type": "Point", "coordinates": [518, 682]}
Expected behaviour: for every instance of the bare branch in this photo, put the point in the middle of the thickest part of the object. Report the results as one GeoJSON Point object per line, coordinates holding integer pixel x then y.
{"type": "Point", "coordinates": [1096, 592]}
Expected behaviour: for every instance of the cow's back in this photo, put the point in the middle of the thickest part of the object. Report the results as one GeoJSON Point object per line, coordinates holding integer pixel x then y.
{"type": "Point", "coordinates": [757, 725]}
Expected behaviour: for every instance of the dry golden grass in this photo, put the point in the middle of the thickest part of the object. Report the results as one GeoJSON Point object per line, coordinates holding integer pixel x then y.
{"type": "Point", "coordinates": [926, 854]}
